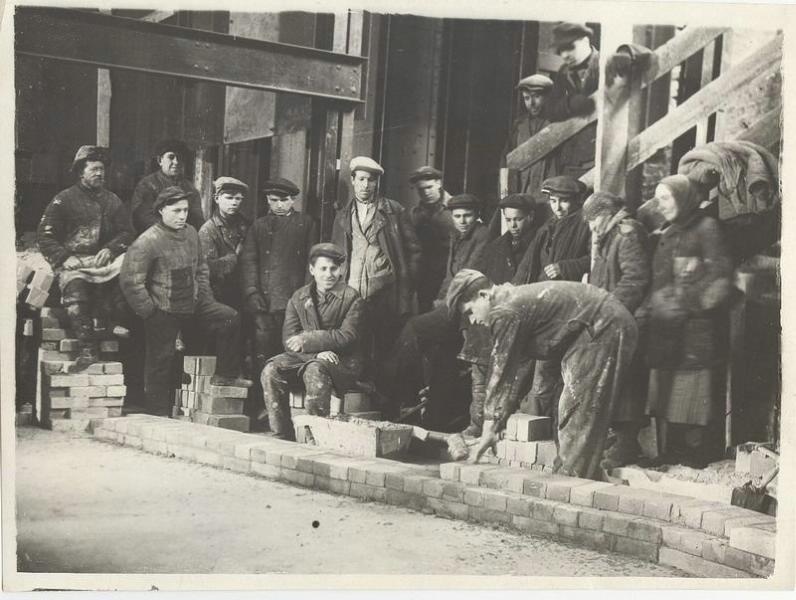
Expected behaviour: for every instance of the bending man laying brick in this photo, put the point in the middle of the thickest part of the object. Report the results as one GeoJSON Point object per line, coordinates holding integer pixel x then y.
{"type": "Point", "coordinates": [586, 328]}
{"type": "Point", "coordinates": [165, 279]}
{"type": "Point", "coordinates": [82, 234]}
{"type": "Point", "coordinates": [322, 336]}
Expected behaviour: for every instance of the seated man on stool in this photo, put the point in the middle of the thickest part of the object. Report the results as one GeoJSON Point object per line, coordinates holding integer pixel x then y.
{"type": "Point", "coordinates": [322, 335]}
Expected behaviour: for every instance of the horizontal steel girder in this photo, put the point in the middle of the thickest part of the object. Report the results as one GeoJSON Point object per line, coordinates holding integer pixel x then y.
{"type": "Point", "coordinates": [117, 42]}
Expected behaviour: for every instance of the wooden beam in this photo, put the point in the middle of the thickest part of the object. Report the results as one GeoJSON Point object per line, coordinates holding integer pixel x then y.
{"type": "Point", "coordinates": [156, 16]}
{"type": "Point", "coordinates": [704, 102]}
{"type": "Point", "coordinates": [547, 140]}
{"type": "Point", "coordinates": [678, 49]}
{"type": "Point", "coordinates": [767, 130]}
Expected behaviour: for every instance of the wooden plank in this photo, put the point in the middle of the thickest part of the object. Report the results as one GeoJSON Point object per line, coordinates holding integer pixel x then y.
{"type": "Point", "coordinates": [156, 16]}
{"type": "Point", "coordinates": [547, 140]}
{"type": "Point", "coordinates": [352, 44]}
{"type": "Point", "coordinates": [678, 49]}
{"type": "Point", "coordinates": [767, 131]}
{"type": "Point", "coordinates": [705, 101]}
{"type": "Point", "coordinates": [103, 107]}
{"type": "Point", "coordinates": [707, 76]}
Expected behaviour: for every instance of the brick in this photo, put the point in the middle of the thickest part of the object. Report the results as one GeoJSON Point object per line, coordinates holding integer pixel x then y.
{"type": "Point", "coordinates": [223, 444]}
{"type": "Point", "coordinates": [542, 510]}
{"type": "Point", "coordinates": [112, 368]}
{"type": "Point", "coordinates": [755, 541]}
{"type": "Point", "coordinates": [632, 501]}
{"type": "Point", "coordinates": [474, 497]}
{"type": "Point", "coordinates": [659, 507]}
{"type": "Point", "coordinates": [36, 297]}
{"type": "Point", "coordinates": [695, 565]}
{"type": "Point", "coordinates": [608, 498]}
{"type": "Point", "coordinates": [65, 381]}
{"type": "Point", "coordinates": [220, 406]}
{"type": "Point", "coordinates": [89, 412]}
{"type": "Point", "coordinates": [297, 477]}
{"type": "Point", "coordinates": [589, 518]}
{"type": "Point", "coordinates": [453, 490]}
{"type": "Point", "coordinates": [368, 492]}
{"type": "Point", "coordinates": [53, 367]}
{"type": "Point", "coordinates": [405, 499]}
{"type": "Point", "coordinates": [233, 422]}
{"type": "Point", "coordinates": [42, 279]}
{"type": "Point", "coordinates": [70, 425]}
{"type": "Point", "coordinates": [226, 391]}
{"type": "Point", "coordinates": [531, 428]}
{"type": "Point", "coordinates": [114, 411]}
{"type": "Point", "coordinates": [684, 539]}
{"type": "Point", "coordinates": [95, 369]}
{"type": "Point", "coordinates": [644, 530]}
{"type": "Point", "coordinates": [689, 512]}
{"type": "Point", "coordinates": [565, 514]}
{"type": "Point", "coordinates": [433, 488]}
{"type": "Point", "coordinates": [109, 346]}
{"type": "Point", "coordinates": [748, 562]}
{"type": "Point", "coordinates": [471, 474]}
{"type": "Point", "coordinates": [266, 470]}
{"type": "Point", "coordinates": [588, 538]}
{"type": "Point", "coordinates": [106, 380]}
{"type": "Point", "coordinates": [644, 550]}
{"type": "Point", "coordinates": [559, 487]}
{"type": "Point", "coordinates": [413, 484]}
{"type": "Point", "coordinates": [714, 549]}
{"type": "Point", "coordinates": [60, 402]}
{"type": "Point", "coordinates": [53, 335]}
{"type": "Point", "coordinates": [503, 479]}
{"type": "Point", "coordinates": [713, 521]}
{"type": "Point", "coordinates": [69, 345]}
{"type": "Point", "coordinates": [495, 500]}
{"type": "Point", "coordinates": [449, 508]}
{"type": "Point", "coordinates": [583, 495]}
{"type": "Point", "coordinates": [486, 515]}
{"type": "Point", "coordinates": [49, 346]}
{"type": "Point", "coordinates": [546, 453]}
{"type": "Point", "coordinates": [50, 323]}
{"type": "Point", "coordinates": [394, 481]}
{"type": "Point", "coordinates": [238, 465]}
{"type": "Point", "coordinates": [526, 453]}
{"type": "Point", "coordinates": [535, 526]}
{"type": "Point", "coordinates": [450, 471]}
{"type": "Point", "coordinates": [104, 401]}
{"type": "Point", "coordinates": [116, 391]}
{"type": "Point", "coordinates": [753, 519]}
{"type": "Point", "coordinates": [617, 524]}
{"type": "Point", "coordinates": [55, 355]}
{"type": "Point", "coordinates": [519, 506]}
{"type": "Point", "coordinates": [88, 391]}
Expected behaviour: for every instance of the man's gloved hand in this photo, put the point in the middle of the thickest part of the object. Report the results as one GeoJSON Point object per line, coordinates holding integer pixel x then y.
{"type": "Point", "coordinates": [580, 105]}
{"type": "Point", "coordinates": [256, 303]}
{"type": "Point", "coordinates": [619, 65]}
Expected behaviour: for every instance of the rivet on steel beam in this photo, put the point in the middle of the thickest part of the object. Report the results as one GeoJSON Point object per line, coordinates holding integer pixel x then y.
{"type": "Point", "coordinates": [353, 89]}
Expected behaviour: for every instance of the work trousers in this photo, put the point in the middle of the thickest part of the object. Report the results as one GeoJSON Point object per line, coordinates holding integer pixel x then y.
{"type": "Point", "coordinates": [161, 330]}
{"type": "Point", "coordinates": [83, 301]}
{"type": "Point", "coordinates": [267, 337]}
{"type": "Point", "coordinates": [278, 378]}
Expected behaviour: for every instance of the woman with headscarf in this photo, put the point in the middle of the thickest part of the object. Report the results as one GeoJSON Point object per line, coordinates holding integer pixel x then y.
{"type": "Point", "coordinates": [691, 272]}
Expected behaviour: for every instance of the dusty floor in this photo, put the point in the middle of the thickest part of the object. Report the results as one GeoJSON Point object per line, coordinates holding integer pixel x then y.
{"type": "Point", "coordinates": [88, 506]}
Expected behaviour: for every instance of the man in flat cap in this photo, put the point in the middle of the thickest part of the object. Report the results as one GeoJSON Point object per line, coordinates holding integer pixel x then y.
{"type": "Point", "coordinates": [169, 162]}
{"type": "Point", "coordinates": [573, 85]}
{"type": "Point", "coordinates": [83, 233]}
{"type": "Point", "coordinates": [322, 338]}
{"type": "Point", "coordinates": [561, 251]}
{"type": "Point", "coordinates": [572, 322]}
{"type": "Point", "coordinates": [425, 352]}
{"type": "Point", "coordinates": [221, 238]}
{"type": "Point", "coordinates": [382, 253]}
{"type": "Point", "coordinates": [274, 266]}
{"type": "Point", "coordinates": [434, 228]}
{"type": "Point", "coordinates": [534, 90]}
{"type": "Point", "coordinates": [166, 282]}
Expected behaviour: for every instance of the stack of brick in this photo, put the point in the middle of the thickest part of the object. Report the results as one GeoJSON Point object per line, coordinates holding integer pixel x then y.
{"type": "Point", "coordinates": [526, 443]}
{"type": "Point", "coordinates": [39, 285]}
{"type": "Point", "coordinates": [354, 403]}
{"type": "Point", "coordinates": [69, 401]}
{"type": "Point", "coordinates": [206, 404]}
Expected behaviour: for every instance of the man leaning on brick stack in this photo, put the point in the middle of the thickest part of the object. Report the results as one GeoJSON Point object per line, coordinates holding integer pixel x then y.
{"type": "Point", "coordinates": [165, 280]}
{"type": "Point", "coordinates": [83, 234]}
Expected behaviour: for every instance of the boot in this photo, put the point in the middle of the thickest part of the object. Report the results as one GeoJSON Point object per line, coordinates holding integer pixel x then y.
{"type": "Point", "coordinates": [472, 431]}
{"type": "Point", "coordinates": [625, 450]}
{"type": "Point", "coordinates": [89, 354]}
{"type": "Point", "coordinates": [225, 380]}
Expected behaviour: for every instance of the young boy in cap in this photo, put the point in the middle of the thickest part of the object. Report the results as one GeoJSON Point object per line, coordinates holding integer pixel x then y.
{"type": "Point", "coordinates": [322, 336]}
{"type": "Point", "coordinates": [222, 238]}
{"type": "Point", "coordinates": [169, 161]}
{"type": "Point", "coordinates": [274, 264]}
{"type": "Point", "coordinates": [85, 228]}
{"type": "Point", "coordinates": [434, 228]}
{"type": "Point", "coordinates": [383, 254]}
{"type": "Point", "coordinates": [534, 91]}
{"type": "Point", "coordinates": [165, 280]}
{"type": "Point", "coordinates": [576, 323]}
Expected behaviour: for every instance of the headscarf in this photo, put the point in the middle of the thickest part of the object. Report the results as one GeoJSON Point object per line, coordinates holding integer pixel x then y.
{"type": "Point", "coordinates": [685, 194]}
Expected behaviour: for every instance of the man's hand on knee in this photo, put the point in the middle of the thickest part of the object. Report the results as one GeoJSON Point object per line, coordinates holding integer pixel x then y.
{"type": "Point", "coordinates": [328, 356]}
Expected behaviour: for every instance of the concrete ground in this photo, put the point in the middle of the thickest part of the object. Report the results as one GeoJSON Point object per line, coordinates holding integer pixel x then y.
{"type": "Point", "coordinates": [87, 506]}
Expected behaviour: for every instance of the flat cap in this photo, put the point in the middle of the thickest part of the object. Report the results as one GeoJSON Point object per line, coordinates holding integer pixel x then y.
{"type": "Point", "coordinates": [179, 147]}
{"type": "Point", "coordinates": [464, 201]}
{"type": "Point", "coordinates": [363, 163]}
{"type": "Point", "coordinates": [563, 185]}
{"type": "Point", "coordinates": [535, 82]}
{"type": "Point", "coordinates": [425, 172]}
{"type": "Point", "coordinates": [330, 251]}
{"type": "Point", "coordinates": [461, 285]}
{"type": "Point", "coordinates": [565, 33]}
{"type": "Point", "coordinates": [169, 195]}
{"type": "Point", "coordinates": [229, 183]}
{"type": "Point", "coordinates": [90, 153]}
{"type": "Point", "coordinates": [280, 187]}
{"type": "Point", "coordinates": [523, 201]}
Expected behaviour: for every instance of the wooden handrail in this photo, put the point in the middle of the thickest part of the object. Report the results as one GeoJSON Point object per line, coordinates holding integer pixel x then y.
{"type": "Point", "coordinates": [677, 50]}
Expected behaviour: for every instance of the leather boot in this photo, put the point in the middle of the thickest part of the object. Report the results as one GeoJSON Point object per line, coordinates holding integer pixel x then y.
{"type": "Point", "coordinates": [89, 354]}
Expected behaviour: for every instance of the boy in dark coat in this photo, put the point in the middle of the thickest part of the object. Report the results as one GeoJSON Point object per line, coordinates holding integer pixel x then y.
{"type": "Point", "coordinates": [86, 227]}
{"type": "Point", "coordinates": [322, 335]}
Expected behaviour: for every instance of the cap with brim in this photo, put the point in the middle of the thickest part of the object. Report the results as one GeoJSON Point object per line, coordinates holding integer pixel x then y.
{"type": "Point", "coordinates": [461, 285]}
{"type": "Point", "coordinates": [565, 33]}
{"type": "Point", "coordinates": [327, 250]}
{"type": "Point", "coordinates": [85, 153]}
{"type": "Point", "coordinates": [536, 82]}
{"type": "Point", "coordinates": [223, 184]}
{"type": "Point", "coordinates": [280, 187]}
{"type": "Point", "coordinates": [521, 201]}
{"type": "Point", "coordinates": [424, 173]}
{"type": "Point", "coordinates": [563, 185]}
{"type": "Point", "coordinates": [464, 201]}
{"type": "Point", "coordinates": [169, 195]}
{"type": "Point", "coordinates": [363, 163]}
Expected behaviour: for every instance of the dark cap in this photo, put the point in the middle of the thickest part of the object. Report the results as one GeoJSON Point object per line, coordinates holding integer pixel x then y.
{"type": "Point", "coordinates": [172, 145]}
{"type": "Point", "coordinates": [169, 195]}
{"type": "Point", "coordinates": [280, 187]}
{"type": "Point", "coordinates": [423, 173]}
{"type": "Point", "coordinates": [230, 183]}
{"type": "Point", "coordinates": [564, 33]}
{"type": "Point", "coordinates": [330, 251]}
{"type": "Point", "coordinates": [563, 185]}
{"type": "Point", "coordinates": [464, 201]}
{"type": "Point", "coordinates": [538, 82]}
{"type": "Point", "coordinates": [85, 153]}
{"type": "Point", "coordinates": [462, 284]}
{"type": "Point", "coordinates": [522, 201]}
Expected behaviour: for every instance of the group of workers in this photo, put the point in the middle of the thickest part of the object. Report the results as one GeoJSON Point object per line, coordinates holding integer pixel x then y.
{"type": "Point", "coordinates": [404, 297]}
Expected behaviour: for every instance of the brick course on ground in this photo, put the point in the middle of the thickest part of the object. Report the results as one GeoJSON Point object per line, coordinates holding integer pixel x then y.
{"type": "Point", "coordinates": [706, 539]}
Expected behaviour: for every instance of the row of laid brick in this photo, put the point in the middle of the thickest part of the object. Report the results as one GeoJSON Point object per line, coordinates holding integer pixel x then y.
{"type": "Point", "coordinates": [54, 367]}
{"type": "Point", "coordinates": [712, 517]}
{"type": "Point", "coordinates": [415, 487]}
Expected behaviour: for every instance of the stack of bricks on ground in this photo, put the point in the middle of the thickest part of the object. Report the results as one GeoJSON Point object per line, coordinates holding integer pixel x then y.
{"type": "Point", "coordinates": [527, 443]}
{"type": "Point", "coordinates": [704, 538]}
{"type": "Point", "coordinates": [220, 406]}
{"type": "Point", "coordinates": [38, 286]}
{"type": "Point", "coordinates": [69, 401]}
